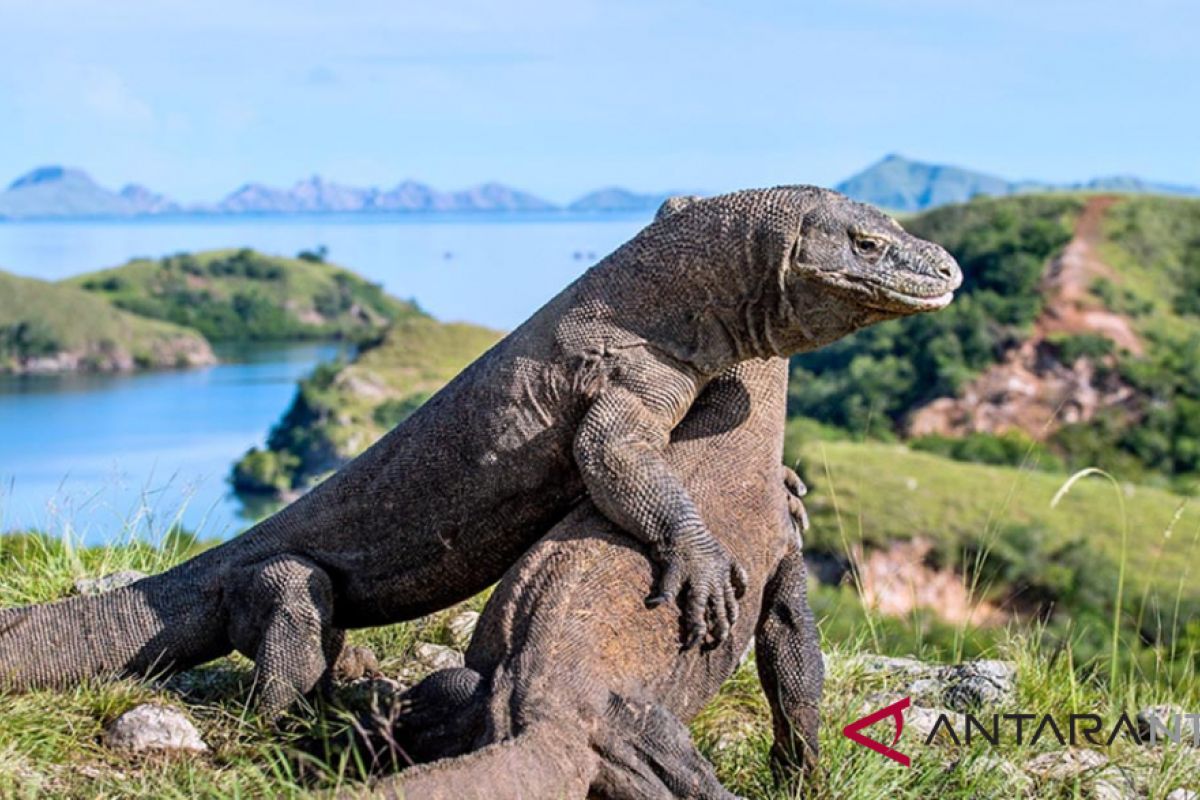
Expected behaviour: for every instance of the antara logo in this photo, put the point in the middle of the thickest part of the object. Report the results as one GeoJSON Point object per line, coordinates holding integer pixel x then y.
{"type": "Point", "coordinates": [896, 712]}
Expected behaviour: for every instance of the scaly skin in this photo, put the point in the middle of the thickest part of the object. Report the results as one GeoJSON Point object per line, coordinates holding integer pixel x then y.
{"type": "Point", "coordinates": [579, 400]}
{"type": "Point", "coordinates": [573, 688]}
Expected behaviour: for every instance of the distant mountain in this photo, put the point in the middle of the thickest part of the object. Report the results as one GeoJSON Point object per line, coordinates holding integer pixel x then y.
{"type": "Point", "coordinates": [62, 192]}
{"type": "Point", "coordinates": [317, 195]}
{"type": "Point", "coordinates": [902, 184]}
{"type": "Point", "coordinates": [143, 201]}
{"type": "Point", "coordinates": [895, 183]}
{"type": "Point", "coordinates": [614, 198]}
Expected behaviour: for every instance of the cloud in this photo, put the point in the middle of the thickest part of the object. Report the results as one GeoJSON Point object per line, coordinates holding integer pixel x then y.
{"type": "Point", "coordinates": [108, 95]}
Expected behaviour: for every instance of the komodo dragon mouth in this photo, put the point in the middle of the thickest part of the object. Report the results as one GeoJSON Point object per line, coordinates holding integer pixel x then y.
{"type": "Point", "coordinates": [898, 300]}
{"type": "Point", "coordinates": [892, 299]}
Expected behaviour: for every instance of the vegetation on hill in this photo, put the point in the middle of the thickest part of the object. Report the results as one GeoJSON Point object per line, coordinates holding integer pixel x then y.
{"type": "Point", "coordinates": [46, 327]}
{"type": "Point", "coordinates": [343, 408]}
{"type": "Point", "coordinates": [873, 382]}
{"type": "Point", "coordinates": [1153, 245]}
{"type": "Point", "coordinates": [242, 295]}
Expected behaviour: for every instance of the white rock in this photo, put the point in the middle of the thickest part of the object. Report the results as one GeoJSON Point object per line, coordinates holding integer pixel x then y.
{"type": "Point", "coordinates": [1183, 794]}
{"type": "Point", "coordinates": [462, 628]}
{"type": "Point", "coordinates": [1113, 783]}
{"type": "Point", "coordinates": [152, 727]}
{"type": "Point", "coordinates": [436, 656]}
{"type": "Point", "coordinates": [107, 583]}
{"type": "Point", "coordinates": [1063, 765]}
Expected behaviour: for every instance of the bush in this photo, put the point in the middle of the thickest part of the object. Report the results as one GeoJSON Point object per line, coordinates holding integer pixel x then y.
{"type": "Point", "coordinates": [1071, 347]}
{"type": "Point", "coordinates": [264, 471]}
{"type": "Point", "coordinates": [391, 413]}
{"type": "Point", "coordinates": [28, 339]}
{"type": "Point", "coordinates": [1011, 448]}
{"type": "Point", "coordinates": [316, 256]}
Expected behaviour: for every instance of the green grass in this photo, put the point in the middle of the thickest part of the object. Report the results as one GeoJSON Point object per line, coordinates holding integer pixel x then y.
{"type": "Point", "coordinates": [50, 742]}
{"type": "Point", "coordinates": [43, 319]}
{"type": "Point", "coordinates": [242, 295]}
{"type": "Point", "coordinates": [1100, 554]}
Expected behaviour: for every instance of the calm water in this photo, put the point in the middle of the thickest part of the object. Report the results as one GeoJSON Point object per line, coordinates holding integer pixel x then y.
{"type": "Point", "coordinates": [90, 454]}
{"type": "Point", "coordinates": [490, 269]}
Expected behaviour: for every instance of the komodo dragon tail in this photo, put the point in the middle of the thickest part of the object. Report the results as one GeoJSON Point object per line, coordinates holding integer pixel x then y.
{"type": "Point", "coordinates": [158, 624]}
{"type": "Point", "coordinates": [544, 760]}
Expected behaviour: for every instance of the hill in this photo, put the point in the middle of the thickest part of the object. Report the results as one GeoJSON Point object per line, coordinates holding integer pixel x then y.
{"type": "Point", "coordinates": [45, 327]}
{"type": "Point", "coordinates": [317, 195]}
{"type": "Point", "coordinates": [55, 191]}
{"type": "Point", "coordinates": [614, 198]}
{"type": "Point", "coordinates": [243, 295]}
{"type": "Point", "coordinates": [1021, 553]}
{"type": "Point", "coordinates": [1077, 328]}
{"type": "Point", "coordinates": [902, 184]}
{"type": "Point", "coordinates": [343, 408]}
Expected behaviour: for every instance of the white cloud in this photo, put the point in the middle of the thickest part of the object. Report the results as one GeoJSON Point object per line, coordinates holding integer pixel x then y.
{"type": "Point", "coordinates": [111, 98]}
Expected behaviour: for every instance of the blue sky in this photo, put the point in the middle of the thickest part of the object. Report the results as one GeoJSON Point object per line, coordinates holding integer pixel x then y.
{"type": "Point", "coordinates": [561, 96]}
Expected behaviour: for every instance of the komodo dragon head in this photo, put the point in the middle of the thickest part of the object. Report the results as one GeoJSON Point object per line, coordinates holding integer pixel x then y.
{"type": "Point", "coordinates": [815, 265]}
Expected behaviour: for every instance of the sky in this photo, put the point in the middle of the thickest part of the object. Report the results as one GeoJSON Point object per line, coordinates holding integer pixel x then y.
{"type": "Point", "coordinates": [562, 96]}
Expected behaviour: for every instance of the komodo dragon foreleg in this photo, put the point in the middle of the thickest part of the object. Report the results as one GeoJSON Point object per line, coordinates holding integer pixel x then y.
{"type": "Point", "coordinates": [620, 451]}
{"type": "Point", "coordinates": [790, 666]}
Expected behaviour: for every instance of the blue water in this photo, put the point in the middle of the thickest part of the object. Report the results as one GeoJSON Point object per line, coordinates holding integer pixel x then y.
{"type": "Point", "coordinates": [97, 456]}
{"type": "Point", "coordinates": [100, 455]}
{"type": "Point", "coordinates": [493, 269]}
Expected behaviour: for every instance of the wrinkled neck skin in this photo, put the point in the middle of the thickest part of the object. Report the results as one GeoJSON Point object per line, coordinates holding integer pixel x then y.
{"type": "Point", "coordinates": [744, 311]}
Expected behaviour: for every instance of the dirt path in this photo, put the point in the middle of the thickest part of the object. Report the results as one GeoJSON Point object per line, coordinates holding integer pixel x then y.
{"type": "Point", "coordinates": [1070, 307]}
{"type": "Point", "coordinates": [1031, 390]}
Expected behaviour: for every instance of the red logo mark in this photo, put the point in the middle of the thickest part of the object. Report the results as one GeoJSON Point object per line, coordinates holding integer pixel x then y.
{"type": "Point", "coordinates": [896, 712]}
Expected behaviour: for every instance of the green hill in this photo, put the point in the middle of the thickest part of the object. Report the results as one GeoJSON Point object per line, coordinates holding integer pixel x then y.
{"type": "Point", "coordinates": [242, 295]}
{"type": "Point", "coordinates": [342, 408]}
{"type": "Point", "coordinates": [1078, 326]}
{"type": "Point", "coordinates": [46, 327]}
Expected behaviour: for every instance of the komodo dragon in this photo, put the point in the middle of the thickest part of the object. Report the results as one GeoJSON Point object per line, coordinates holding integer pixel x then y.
{"type": "Point", "coordinates": [573, 688]}
{"type": "Point", "coordinates": [580, 399]}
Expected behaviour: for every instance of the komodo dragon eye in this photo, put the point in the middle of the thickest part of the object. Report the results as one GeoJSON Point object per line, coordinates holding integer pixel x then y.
{"type": "Point", "coordinates": [868, 246]}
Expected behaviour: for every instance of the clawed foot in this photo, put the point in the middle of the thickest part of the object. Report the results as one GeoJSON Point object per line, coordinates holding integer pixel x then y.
{"type": "Point", "coordinates": [710, 582]}
{"type": "Point", "coordinates": [796, 490]}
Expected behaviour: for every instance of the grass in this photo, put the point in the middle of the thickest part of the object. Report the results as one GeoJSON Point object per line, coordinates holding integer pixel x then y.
{"type": "Point", "coordinates": [40, 319]}
{"type": "Point", "coordinates": [1021, 544]}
